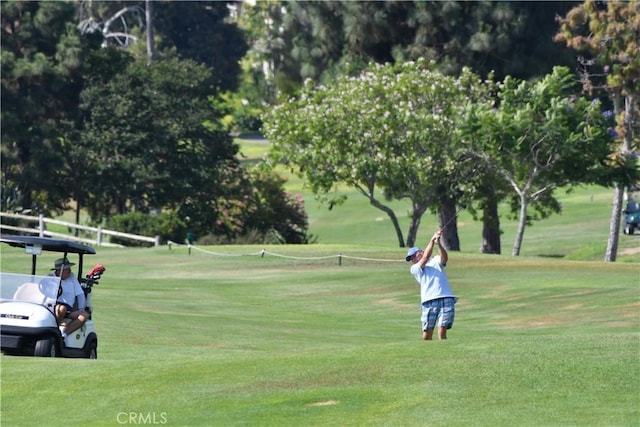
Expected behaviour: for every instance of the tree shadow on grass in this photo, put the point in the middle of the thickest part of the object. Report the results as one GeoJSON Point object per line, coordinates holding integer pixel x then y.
{"type": "Point", "coordinates": [551, 255]}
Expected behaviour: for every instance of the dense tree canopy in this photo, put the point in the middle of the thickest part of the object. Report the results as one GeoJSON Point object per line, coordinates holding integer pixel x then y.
{"type": "Point", "coordinates": [319, 40]}
{"type": "Point", "coordinates": [155, 131]}
{"type": "Point", "coordinates": [43, 59]}
{"type": "Point", "coordinates": [199, 31]}
{"type": "Point", "coordinates": [125, 133]}
{"type": "Point", "coordinates": [387, 130]}
{"type": "Point", "coordinates": [541, 137]}
{"type": "Point", "coordinates": [391, 129]}
{"type": "Point", "coordinates": [158, 143]}
{"type": "Point", "coordinates": [95, 124]}
{"type": "Point", "coordinates": [608, 34]}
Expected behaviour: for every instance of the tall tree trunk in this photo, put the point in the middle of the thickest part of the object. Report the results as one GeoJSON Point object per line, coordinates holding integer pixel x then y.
{"type": "Point", "coordinates": [413, 231]}
{"type": "Point", "coordinates": [449, 225]}
{"type": "Point", "coordinates": [490, 226]}
{"type": "Point", "coordinates": [614, 225]}
{"type": "Point", "coordinates": [521, 225]}
{"type": "Point", "coordinates": [392, 216]}
{"type": "Point", "coordinates": [416, 218]}
{"type": "Point", "coordinates": [625, 150]}
{"type": "Point", "coordinates": [150, 40]}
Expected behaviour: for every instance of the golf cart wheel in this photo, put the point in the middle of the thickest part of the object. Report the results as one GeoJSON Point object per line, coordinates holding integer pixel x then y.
{"type": "Point", "coordinates": [91, 349]}
{"type": "Point", "coordinates": [45, 347]}
{"type": "Point", "coordinates": [629, 229]}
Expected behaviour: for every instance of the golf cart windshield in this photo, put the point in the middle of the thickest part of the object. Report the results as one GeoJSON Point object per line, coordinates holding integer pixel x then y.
{"type": "Point", "coordinates": [41, 290]}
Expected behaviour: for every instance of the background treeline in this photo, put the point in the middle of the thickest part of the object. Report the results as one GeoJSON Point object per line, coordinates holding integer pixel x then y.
{"type": "Point", "coordinates": [88, 117]}
{"type": "Point", "coordinates": [126, 108]}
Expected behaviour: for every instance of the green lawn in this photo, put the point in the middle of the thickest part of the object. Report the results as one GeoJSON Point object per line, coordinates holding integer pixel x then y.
{"type": "Point", "coordinates": [212, 340]}
{"type": "Point", "coordinates": [223, 336]}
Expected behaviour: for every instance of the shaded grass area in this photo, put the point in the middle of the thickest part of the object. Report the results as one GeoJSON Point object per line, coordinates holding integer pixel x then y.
{"type": "Point", "coordinates": [244, 340]}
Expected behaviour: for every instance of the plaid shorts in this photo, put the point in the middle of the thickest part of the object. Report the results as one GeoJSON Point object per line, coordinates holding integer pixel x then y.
{"type": "Point", "coordinates": [439, 311]}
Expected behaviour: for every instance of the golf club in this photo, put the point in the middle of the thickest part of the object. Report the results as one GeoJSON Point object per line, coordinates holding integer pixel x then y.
{"type": "Point", "coordinates": [452, 218]}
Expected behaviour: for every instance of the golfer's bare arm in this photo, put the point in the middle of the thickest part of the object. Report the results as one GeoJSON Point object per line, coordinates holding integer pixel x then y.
{"type": "Point", "coordinates": [444, 256]}
{"type": "Point", "coordinates": [429, 250]}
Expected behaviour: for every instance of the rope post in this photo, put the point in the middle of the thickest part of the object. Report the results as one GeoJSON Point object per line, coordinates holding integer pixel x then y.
{"type": "Point", "coordinates": [169, 243]}
{"type": "Point", "coordinates": [262, 253]}
{"type": "Point", "coordinates": [189, 249]}
{"type": "Point", "coordinates": [41, 225]}
{"type": "Point", "coordinates": [340, 260]}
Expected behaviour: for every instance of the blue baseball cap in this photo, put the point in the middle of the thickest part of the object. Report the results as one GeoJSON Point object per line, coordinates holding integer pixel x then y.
{"type": "Point", "coordinates": [411, 253]}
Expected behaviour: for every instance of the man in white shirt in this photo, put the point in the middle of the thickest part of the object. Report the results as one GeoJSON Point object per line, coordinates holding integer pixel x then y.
{"type": "Point", "coordinates": [437, 299]}
{"type": "Point", "coordinates": [71, 300]}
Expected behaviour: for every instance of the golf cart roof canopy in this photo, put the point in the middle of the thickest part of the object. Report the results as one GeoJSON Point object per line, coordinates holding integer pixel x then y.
{"type": "Point", "coordinates": [48, 244]}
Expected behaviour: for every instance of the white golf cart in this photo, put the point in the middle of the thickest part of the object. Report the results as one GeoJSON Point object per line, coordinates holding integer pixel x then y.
{"type": "Point", "coordinates": [28, 325]}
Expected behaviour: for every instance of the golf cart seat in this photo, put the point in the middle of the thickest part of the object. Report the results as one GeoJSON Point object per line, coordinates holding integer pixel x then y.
{"type": "Point", "coordinates": [35, 293]}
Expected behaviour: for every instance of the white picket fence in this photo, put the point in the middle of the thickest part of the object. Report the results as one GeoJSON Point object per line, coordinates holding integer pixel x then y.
{"type": "Point", "coordinates": [40, 229]}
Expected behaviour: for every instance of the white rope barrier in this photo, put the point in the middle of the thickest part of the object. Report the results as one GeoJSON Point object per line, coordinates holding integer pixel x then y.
{"type": "Point", "coordinates": [264, 252]}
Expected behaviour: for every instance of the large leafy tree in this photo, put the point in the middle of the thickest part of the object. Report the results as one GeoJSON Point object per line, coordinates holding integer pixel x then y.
{"type": "Point", "coordinates": [153, 139]}
{"type": "Point", "coordinates": [156, 136]}
{"type": "Point", "coordinates": [43, 61]}
{"type": "Point", "coordinates": [538, 138]}
{"type": "Point", "coordinates": [608, 34]}
{"type": "Point", "coordinates": [387, 131]}
{"type": "Point", "coordinates": [323, 40]}
{"type": "Point", "coordinates": [84, 121]}
{"type": "Point", "coordinates": [78, 162]}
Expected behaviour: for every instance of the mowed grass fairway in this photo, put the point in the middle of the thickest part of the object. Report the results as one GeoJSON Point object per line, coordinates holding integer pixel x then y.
{"type": "Point", "coordinates": [550, 338]}
{"type": "Point", "coordinates": [205, 340]}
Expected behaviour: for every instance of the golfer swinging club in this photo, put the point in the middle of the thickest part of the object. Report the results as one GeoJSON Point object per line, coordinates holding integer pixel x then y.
{"type": "Point", "coordinates": [438, 301]}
